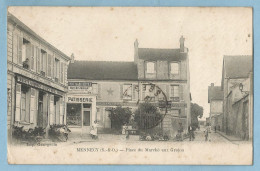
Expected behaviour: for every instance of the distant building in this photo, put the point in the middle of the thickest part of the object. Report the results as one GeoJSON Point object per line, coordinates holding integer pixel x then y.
{"type": "Point", "coordinates": [215, 98]}
{"type": "Point", "coordinates": [95, 87]}
{"type": "Point", "coordinates": [237, 86]}
{"type": "Point", "coordinates": [36, 79]}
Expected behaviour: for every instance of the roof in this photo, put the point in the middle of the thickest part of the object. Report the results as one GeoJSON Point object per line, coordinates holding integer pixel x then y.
{"type": "Point", "coordinates": [12, 18]}
{"type": "Point", "coordinates": [215, 93]}
{"type": "Point", "coordinates": [159, 54]}
{"type": "Point", "coordinates": [102, 70]}
{"type": "Point", "coordinates": [237, 66]}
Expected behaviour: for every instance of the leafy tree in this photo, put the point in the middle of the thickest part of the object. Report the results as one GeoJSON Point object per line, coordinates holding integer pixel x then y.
{"type": "Point", "coordinates": [120, 116]}
{"type": "Point", "coordinates": [147, 116]}
{"type": "Point", "coordinates": [196, 112]}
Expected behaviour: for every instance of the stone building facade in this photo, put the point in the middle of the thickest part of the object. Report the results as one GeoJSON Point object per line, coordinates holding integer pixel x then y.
{"type": "Point", "coordinates": [36, 79]}
{"type": "Point", "coordinates": [215, 98]}
{"type": "Point", "coordinates": [127, 84]}
{"type": "Point", "coordinates": [237, 86]}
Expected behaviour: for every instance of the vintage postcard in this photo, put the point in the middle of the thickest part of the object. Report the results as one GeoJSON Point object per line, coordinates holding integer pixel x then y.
{"type": "Point", "coordinates": [130, 85]}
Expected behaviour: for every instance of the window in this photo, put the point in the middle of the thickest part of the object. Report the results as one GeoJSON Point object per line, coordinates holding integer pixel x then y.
{"type": "Point", "coordinates": [57, 68]}
{"type": "Point", "coordinates": [26, 53]}
{"type": "Point", "coordinates": [175, 93]}
{"type": "Point", "coordinates": [127, 92]}
{"type": "Point", "coordinates": [174, 68]}
{"type": "Point", "coordinates": [32, 57]}
{"type": "Point", "coordinates": [49, 73]}
{"type": "Point", "coordinates": [43, 62]}
{"type": "Point", "coordinates": [150, 67]}
{"type": "Point", "coordinates": [148, 92]}
{"type": "Point", "coordinates": [25, 103]}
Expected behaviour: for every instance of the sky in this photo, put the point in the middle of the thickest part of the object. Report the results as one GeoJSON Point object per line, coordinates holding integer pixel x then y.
{"type": "Point", "coordinates": [108, 34]}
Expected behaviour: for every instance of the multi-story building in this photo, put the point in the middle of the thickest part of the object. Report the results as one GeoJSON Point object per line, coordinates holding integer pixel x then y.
{"type": "Point", "coordinates": [97, 86]}
{"type": "Point", "coordinates": [36, 78]}
{"type": "Point", "coordinates": [215, 98]}
{"type": "Point", "coordinates": [237, 86]}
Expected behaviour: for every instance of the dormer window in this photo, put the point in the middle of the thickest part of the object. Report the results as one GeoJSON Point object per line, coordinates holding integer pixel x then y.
{"type": "Point", "coordinates": [150, 67]}
{"type": "Point", "coordinates": [174, 68]}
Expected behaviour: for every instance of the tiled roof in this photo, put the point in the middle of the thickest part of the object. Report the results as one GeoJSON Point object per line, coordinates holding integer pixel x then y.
{"type": "Point", "coordinates": [238, 66]}
{"type": "Point", "coordinates": [102, 70]}
{"type": "Point", "coordinates": [215, 93]}
{"type": "Point", "coordinates": [159, 54]}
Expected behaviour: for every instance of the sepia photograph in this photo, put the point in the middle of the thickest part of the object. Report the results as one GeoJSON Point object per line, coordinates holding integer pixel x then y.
{"type": "Point", "coordinates": [130, 85]}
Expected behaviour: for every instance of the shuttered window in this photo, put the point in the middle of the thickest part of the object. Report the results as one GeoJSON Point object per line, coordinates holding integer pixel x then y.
{"type": "Point", "coordinates": [61, 72]}
{"type": "Point", "coordinates": [174, 93]}
{"type": "Point", "coordinates": [32, 66]}
{"type": "Point", "coordinates": [38, 58]}
{"type": "Point", "coordinates": [49, 73]}
{"type": "Point", "coordinates": [61, 111]}
{"type": "Point", "coordinates": [52, 112]}
{"type": "Point", "coordinates": [15, 49]}
{"type": "Point", "coordinates": [18, 103]}
{"type": "Point", "coordinates": [20, 50]}
{"type": "Point", "coordinates": [32, 105]}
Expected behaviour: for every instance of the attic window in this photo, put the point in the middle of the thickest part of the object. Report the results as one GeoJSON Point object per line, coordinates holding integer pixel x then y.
{"type": "Point", "coordinates": [150, 67]}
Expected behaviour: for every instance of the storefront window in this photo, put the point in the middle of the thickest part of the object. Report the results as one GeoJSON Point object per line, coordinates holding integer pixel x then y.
{"type": "Point", "coordinates": [74, 114]}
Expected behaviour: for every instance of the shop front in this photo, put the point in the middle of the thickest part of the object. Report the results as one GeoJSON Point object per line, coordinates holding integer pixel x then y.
{"type": "Point", "coordinates": [81, 112]}
{"type": "Point", "coordinates": [37, 104]}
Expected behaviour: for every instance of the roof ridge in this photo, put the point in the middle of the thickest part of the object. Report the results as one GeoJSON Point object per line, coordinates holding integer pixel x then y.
{"type": "Point", "coordinates": [105, 61]}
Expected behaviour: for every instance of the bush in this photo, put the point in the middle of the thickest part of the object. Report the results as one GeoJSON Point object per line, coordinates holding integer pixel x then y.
{"type": "Point", "coordinates": [120, 116]}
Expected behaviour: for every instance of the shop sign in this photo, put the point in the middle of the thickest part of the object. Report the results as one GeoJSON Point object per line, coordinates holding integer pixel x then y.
{"type": "Point", "coordinates": [80, 86]}
{"type": "Point", "coordinates": [37, 85]}
{"type": "Point", "coordinates": [116, 104]}
{"type": "Point", "coordinates": [79, 99]}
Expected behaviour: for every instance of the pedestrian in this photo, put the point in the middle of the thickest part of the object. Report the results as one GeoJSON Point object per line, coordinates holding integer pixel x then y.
{"type": "Point", "coordinates": [215, 127]}
{"type": "Point", "coordinates": [93, 131]}
{"type": "Point", "coordinates": [180, 131]}
{"type": "Point", "coordinates": [206, 133]}
{"type": "Point", "coordinates": [190, 130]}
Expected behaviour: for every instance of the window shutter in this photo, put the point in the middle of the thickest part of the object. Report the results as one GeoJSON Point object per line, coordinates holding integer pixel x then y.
{"type": "Point", "coordinates": [29, 53]}
{"type": "Point", "coordinates": [49, 65]}
{"type": "Point", "coordinates": [20, 47]}
{"type": "Point", "coordinates": [99, 91]}
{"type": "Point", "coordinates": [61, 72]}
{"type": "Point", "coordinates": [61, 111]}
{"type": "Point", "coordinates": [121, 91]}
{"type": "Point", "coordinates": [15, 48]}
{"type": "Point", "coordinates": [52, 116]}
{"type": "Point", "coordinates": [32, 57]}
{"type": "Point", "coordinates": [38, 53]}
{"type": "Point", "coordinates": [53, 67]}
{"type": "Point", "coordinates": [181, 92]}
{"type": "Point", "coordinates": [32, 105]}
{"type": "Point", "coordinates": [18, 103]}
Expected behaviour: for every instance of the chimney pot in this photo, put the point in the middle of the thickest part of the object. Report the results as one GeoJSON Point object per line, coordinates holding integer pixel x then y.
{"type": "Point", "coordinates": [212, 84]}
{"type": "Point", "coordinates": [72, 58]}
{"type": "Point", "coordinates": [182, 39]}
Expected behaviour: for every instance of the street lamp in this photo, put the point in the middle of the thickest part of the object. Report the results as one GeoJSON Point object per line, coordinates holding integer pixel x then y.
{"type": "Point", "coordinates": [241, 87]}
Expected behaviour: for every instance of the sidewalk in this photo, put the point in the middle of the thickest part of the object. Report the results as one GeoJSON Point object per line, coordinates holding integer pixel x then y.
{"type": "Point", "coordinates": [229, 137]}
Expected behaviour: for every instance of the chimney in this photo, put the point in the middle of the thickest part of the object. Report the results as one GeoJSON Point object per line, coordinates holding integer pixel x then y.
{"type": "Point", "coordinates": [136, 57]}
{"type": "Point", "coordinates": [212, 84]}
{"type": "Point", "coordinates": [72, 58]}
{"type": "Point", "coordinates": [182, 39]}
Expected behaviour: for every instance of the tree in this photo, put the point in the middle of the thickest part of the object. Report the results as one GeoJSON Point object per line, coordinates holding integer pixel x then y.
{"type": "Point", "coordinates": [120, 116]}
{"type": "Point", "coordinates": [196, 112]}
{"type": "Point", "coordinates": [147, 116]}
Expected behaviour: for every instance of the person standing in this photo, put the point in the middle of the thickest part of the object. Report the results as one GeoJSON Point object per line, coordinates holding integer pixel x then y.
{"type": "Point", "coordinates": [93, 130]}
{"type": "Point", "coordinates": [190, 132]}
{"type": "Point", "coordinates": [180, 131]}
{"type": "Point", "coordinates": [206, 133]}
